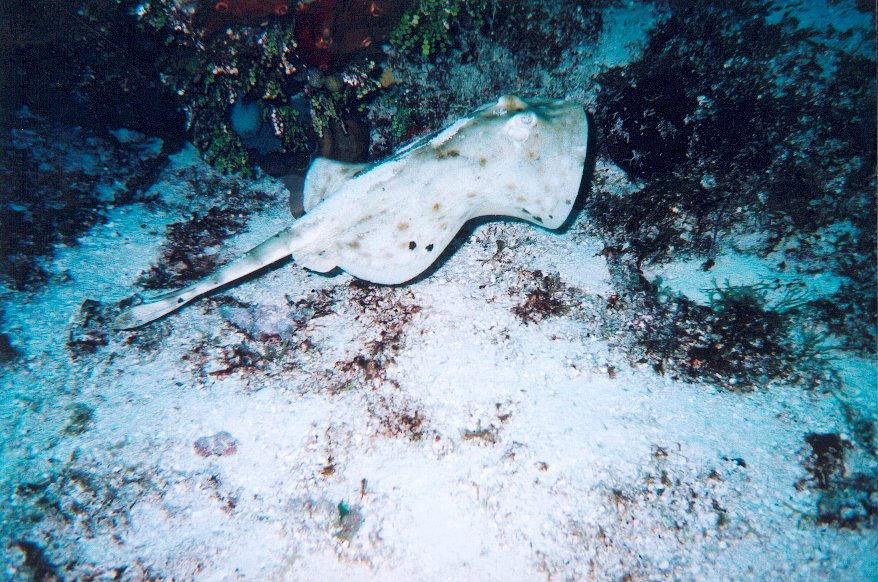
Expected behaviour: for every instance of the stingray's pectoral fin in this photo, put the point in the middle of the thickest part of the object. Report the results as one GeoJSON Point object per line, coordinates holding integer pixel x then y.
{"type": "Point", "coordinates": [270, 251]}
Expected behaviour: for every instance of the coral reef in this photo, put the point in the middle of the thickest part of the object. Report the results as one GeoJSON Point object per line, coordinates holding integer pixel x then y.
{"type": "Point", "coordinates": [522, 40]}
{"type": "Point", "coordinates": [539, 34]}
{"type": "Point", "coordinates": [225, 13]}
{"type": "Point", "coordinates": [428, 26]}
{"type": "Point", "coordinates": [330, 33]}
{"type": "Point", "coordinates": [308, 73]}
{"type": "Point", "coordinates": [84, 64]}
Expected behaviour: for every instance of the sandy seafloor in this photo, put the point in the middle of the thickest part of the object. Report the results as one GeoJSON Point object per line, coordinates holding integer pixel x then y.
{"type": "Point", "coordinates": [423, 432]}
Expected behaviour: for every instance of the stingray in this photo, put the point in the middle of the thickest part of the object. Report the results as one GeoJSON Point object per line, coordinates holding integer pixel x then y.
{"type": "Point", "coordinates": [387, 222]}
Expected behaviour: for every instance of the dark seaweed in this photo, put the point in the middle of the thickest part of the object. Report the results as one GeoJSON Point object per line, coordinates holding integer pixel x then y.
{"type": "Point", "coordinates": [189, 252]}
{"type": "Point", "coordinates": [50, 184]}
{"type": "Point", "coordinates": [89, 331]}
{"type": "Point", "coordinates": [81, 419]}
{"type": "Point", "coordinates": [35, 560]}
{"type": "Point", "coordinates": [825, 464]}
{"type": "Point", "coordinates": [734, 152]}
{"type": "Point", "coordinates": [845, 501]}
{"type": "Point", "coordinates": [8, 352]}
{"type": "Point", "coordinates": [546, 296]}
{"type": "Point", "coordinates": [648, 133]}
{"type": "Point", "coordinates": [540, 33]}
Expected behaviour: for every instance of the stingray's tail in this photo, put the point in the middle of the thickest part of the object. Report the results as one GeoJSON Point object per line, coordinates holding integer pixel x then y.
{"type": "Point", "coordinates": [155, 307]}
{"type": "Point", "coordinates": [270, 251]}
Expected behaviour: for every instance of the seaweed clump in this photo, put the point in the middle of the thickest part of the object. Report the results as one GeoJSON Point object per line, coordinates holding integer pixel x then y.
{"type": "Point", "coordinates": [741, 341]}
{"type": "Point", "coordinates": [8, 352]}
{"type": "Point", "coordinates": [189, 251]}
{"type": "Point", "coordinates": [390, 315]}
{"type": "Point", "coordinates": [755, 100]}
{"type": "Point", "coordinates": [36, 562]}
{"type": "Point", "coordinates": [541, 34]}
{"type": "Point", "coordinates": [726, 108]}
{"type": "Point", "coordinates": [649, 134]}
{"type": "Point", "coordinates": [845, 501]}
{"type": "Point", "coordinates": [546, 297]}
{"type": "Point", "coordinates": [185, 257]}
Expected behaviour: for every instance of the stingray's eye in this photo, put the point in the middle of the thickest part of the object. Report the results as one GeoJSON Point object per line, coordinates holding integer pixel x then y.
{"type": "Point", "coordinates": [221, 6]}
{"type": "Point", "coordinates": [526, 119]}
{"type": "Point", "coordinates": [519, 127]}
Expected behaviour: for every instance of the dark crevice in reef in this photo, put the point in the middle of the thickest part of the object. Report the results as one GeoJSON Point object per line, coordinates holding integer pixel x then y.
{"type": "Point", "coordinates": [85, 64]}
